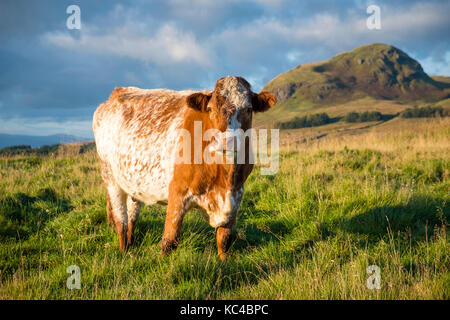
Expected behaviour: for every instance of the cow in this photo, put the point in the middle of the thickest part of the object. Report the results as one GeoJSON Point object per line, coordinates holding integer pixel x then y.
{"type": "Point", "coordinates": [137, 134]}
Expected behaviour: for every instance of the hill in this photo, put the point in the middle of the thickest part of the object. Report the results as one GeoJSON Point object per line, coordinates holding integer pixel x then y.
{"type": "Point", "coordinates": [68, 149]}
{"type": "Point", "coordinates": [372, 73]}
{"type": "Point", "coordinates": [7, 140]}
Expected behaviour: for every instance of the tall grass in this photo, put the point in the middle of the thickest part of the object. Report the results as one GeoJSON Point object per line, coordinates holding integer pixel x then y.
{"type": "Point", "coordinates": [335, 207]}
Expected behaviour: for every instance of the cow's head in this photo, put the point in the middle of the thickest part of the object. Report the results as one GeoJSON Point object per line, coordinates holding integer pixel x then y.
{"type": "Point", "coordinates": [231, 105]}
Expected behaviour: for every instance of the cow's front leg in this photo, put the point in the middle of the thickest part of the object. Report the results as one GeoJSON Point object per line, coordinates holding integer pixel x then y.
{"type": "Point", "coordinates": [224, 238]}
{"type": "Point", "coordinates": [172, 227]}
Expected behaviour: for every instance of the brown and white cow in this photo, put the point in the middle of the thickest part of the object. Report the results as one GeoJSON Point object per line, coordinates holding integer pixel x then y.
{"type": "Point", "coordinates": [137, 133]}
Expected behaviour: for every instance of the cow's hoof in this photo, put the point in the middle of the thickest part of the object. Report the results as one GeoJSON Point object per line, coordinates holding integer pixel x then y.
{"type": "Point", "coordinates": [167, 246]}
{"type": "Point", "coordinates": [223, 256]}
{"type": "Point", "coordinates": [130, 240]}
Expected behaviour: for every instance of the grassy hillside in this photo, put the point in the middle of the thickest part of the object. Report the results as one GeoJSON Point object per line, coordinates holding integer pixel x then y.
{"type": "Point", "coordinates": [339, 203]}
{"type": "Point", "coordinates": [367, 77]}
{"type": "Point", "coordinates": [37, 141]}
{"type": "Point", "coordinates": [441, 79]}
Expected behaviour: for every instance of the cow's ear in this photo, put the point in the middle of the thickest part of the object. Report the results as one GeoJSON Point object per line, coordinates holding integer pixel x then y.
{"type": "Point", "coordinates": [263, 101]}
{"type": "Point", "coordinates": [198, 101]}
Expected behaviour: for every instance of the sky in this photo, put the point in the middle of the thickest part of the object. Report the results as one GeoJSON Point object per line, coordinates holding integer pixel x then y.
{"type": "Point", "coordinates": [52, 78]}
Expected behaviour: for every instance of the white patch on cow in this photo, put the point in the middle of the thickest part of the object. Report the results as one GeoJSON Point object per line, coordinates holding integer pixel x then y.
{"type": "Point", "coordinates": [235, 92]}
{"type": "Point", "coordinates": [220, 208]}
{"type": "Point", "coordinates": [142, 158]}
{"type": "Point", "coordinates": [238, 95]}
{"type": "Point", "coordinates": [133, 209]}
{"type": "Point", "coordinates": [118, 204]}
{"type": "Point", "coordinates": [225, 207]}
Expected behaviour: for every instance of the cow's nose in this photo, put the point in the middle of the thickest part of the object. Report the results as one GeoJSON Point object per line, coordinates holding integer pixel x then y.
{"type": "Point", "coordinates": [231, 141]}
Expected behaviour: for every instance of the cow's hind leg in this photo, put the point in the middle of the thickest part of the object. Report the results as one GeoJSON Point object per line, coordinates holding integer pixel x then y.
{"type": "Point", "coordinates": [108, 180]}
{"type": "Point", "coordinates": [118, 203]}
{"type": "Point", "coordinates": [133, 209]}
{"type": "Point", "coordinates": [109, 213]}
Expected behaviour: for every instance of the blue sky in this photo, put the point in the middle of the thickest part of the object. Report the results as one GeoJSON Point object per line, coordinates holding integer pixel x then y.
{"type": "Point", "coordinates": [52, 78]}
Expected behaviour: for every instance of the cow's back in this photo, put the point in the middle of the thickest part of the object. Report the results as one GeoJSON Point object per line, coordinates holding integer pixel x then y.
{"type": "Point", "coordinates": [136, 136]}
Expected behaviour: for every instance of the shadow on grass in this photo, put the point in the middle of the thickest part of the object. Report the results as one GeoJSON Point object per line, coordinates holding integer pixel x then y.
{"type": "Point", "coordinates": [251, 234]}
{"type": "Point", "coordinates": [258, 249]}
{"type": "Point", "coordinates": [246, 234]}
{"type": "Point", "coordinates": [419, 217]}
{"type": "Point", "coordinates": [151, 224]}
{"type": "Point", "coordinates": [21, 215]}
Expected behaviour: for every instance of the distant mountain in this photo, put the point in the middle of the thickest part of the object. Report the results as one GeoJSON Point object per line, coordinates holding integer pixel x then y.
{"type": "Point", "coordinates": [378, 71]}
{"type": "Point", "coordinates": [7, 140]}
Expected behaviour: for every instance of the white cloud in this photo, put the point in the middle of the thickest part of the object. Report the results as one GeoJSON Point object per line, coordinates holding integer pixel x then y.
{"type": "Point", "coordinates": [284, 43]}
{"type": "Point", "coordinates": [437, 67]}
{"type": "Point", "coordinates": [46, 126]}
{"type": "Point", "coordinates": [252, 43]}
{"type": "Point", "coordinates": [419, 19]}
{"type": "Point", "coordinates": [197, 8]}
{"type": "Point", "coordinates": [166, 46]}
{"type": "Point", "coordinates": [329, 30]}
{"type": "Point", "coordinates": [270, 2]}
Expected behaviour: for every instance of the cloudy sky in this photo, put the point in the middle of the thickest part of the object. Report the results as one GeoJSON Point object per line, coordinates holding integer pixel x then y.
{"type": "Point", "coordinates": [53, 78]}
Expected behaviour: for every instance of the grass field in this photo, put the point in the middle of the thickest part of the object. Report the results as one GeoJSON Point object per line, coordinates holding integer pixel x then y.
{"type": "Point", "coordinates": [375, 196]}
